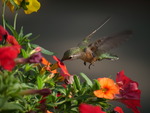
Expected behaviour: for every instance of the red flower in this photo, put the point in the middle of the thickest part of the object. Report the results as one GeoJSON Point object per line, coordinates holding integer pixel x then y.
{"type": "Point", "coordinates": [4, 35]}
{"type": "Point", "coordinates": [118, 110]}
{"type": "Point", "coordinates": [86, 108]}
{"type": "Point", "coordinates": [64, 71]}
{"type": "Point", "coordinates": [11, 40]}
{"type": "Point", "coordinates": [7, 56]}
{"type": "Point", "coordinates": [129, 92]}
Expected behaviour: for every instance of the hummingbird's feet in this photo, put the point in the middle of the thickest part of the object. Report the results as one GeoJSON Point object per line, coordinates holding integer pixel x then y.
{"type": "Point", "coordinates": [90, 65]}
{"type": "Point", "coordinates": [85, 63]}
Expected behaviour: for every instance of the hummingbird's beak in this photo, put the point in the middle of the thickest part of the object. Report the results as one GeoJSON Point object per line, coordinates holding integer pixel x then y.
{"type": "Point", "coordinates": [62, 60]}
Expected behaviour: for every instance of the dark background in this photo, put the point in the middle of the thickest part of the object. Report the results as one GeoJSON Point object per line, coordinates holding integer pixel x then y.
{"type": "Point", "coordinates": [63, 24]}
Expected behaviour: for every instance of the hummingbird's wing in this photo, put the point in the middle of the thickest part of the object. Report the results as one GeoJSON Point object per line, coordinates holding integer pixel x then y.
{"type": "Point", "coordinates": [107, 43]}
{"type": "Point", "coordinates": [86, 40]}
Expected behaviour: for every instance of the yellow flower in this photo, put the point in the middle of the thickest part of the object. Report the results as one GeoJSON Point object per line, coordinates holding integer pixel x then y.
{"type": "Point", "coordinates": [32, 6]}
{"type": "Point", "coordinates": [29, 6]}
{"type": "Point", "coordinates": [11, 7]}
{"type": "Point", "coordinates": [108, 88]}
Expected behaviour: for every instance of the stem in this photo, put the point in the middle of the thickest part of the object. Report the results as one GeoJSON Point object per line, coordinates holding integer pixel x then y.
{"type": "Point", "coordinates": [15, 20]}
{"type": "Point", "coordinates": [3, 13]}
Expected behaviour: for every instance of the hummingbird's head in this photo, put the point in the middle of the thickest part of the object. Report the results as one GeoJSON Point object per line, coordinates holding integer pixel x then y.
{"type": "Point", "coordinates": [72, 53]}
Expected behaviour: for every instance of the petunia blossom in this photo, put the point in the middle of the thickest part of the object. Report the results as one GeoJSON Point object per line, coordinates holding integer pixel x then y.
{"type": "Point", "coordinates": [9, 39]}
{"type": "Point", "coordinates": [118, 110]}
{"type": "Point", "coordinates": [87, 108]}
{"type": "Point", "coordinates": [3, 33]}
{"type": "Point", "coordinates": [129, 92]}
{"type": "Point", "coordinates": [108, 88]}
{"type": "Point", "coordinates": [7, 56]}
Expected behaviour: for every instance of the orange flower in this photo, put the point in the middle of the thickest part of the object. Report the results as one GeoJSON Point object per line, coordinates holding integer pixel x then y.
{"type": "Point", "coordinates": [48, 111]}
{"type": "Point", "coordinates": [47, 64]}
{"type": "Point", "coordinates": [108, 88]}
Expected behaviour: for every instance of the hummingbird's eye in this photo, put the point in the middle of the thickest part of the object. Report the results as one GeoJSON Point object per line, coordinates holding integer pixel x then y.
{"type": "Point", "coordinates": [70, 57]}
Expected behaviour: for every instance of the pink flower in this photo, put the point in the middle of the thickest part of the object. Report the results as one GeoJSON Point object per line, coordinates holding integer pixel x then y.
{"type": "Point", "coordinates": [118, 110]}
{"type": "Point", "coordinates": [87, 108]}
{"type": "Point", "coordinates": [35, 58]}
{"type": "Point", "coordinates": [129, 92]}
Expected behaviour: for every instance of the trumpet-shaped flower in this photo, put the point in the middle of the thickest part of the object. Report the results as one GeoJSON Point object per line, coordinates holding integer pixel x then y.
{"type": "Point", "coordinates": [64, 71]}
{"type": "Point", "coordinates": [108, 88]}
{"type": "Point", "coordinates": [87, 108]}
{"type": "Point", "coordinates": [129, 92]}
{"type": "Point", "coordinates": [47, 65]}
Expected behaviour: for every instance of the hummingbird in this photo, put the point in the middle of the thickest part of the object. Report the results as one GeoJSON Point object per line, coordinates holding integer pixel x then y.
{"type": "Point", "coordinates": [98, 50]}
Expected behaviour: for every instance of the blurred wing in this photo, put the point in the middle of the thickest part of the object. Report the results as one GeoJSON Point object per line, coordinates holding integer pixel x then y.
{"type": "Point", "coordinates": [107, 43]}
{"type": "Point", "coordinates": [87, 39]}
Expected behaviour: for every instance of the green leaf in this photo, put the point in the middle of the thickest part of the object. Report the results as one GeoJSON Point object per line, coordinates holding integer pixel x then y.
{"type": "Point", "coordinates": [21, 33]}
{"type": "Point", "coordinates": [27, 36]}
{"type": "Point", "coordinates": [44, 51]}
{"type": "Point", "coordinates": [12, 30]}
{"type": "Point", "coordinates": [61, 90]}
{"type": "Point", "coordinates": [88, 81]}
{"type": "Point", "coordinates": [77, 82]}
{"type": "Point", "coordinates": [24, 54]}
{"type": "Point", "coordinates": [14, 4]}
{"type": "Point", "coordinates": [96, 85]}
{"type": "Point", "coordinates": [40, 82]}
{"type": "Point", "coordinates": [2, 102]}
{"type": "Point", "coordinates": [12, 106]}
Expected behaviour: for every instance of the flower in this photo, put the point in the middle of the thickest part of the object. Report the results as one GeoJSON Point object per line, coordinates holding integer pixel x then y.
{"type": "Point", "coordinates": [29, 6]}
{"type": "Point", "coordinates": [11, 40]}
{"type": "Point", "coordinates": [11, 6]}
{"type": "Point", "coordinates": [35, 58]}
{"type": "Point", "coordinates": [37, 49]}
{"type": "Point", "coordinates": [86, 108]}
{"type": "Point", "coordinates": [47, 66]}
{"type": "Point", "coordinates": [4, 35]}
{"type": "Point", "coordinates": [108, 88]}
{"type": "Point", "coordinates": [32, 6]}
{"type": "Point", "coordinates": [48, 111]}
{"type": "Point", "coordinates": [129, 92]}
{"type": "Point", "coordinates": [7, 56]}
{"type": "Point", "coordinates": [44, 92]}
{"type": "Point", "coordinates": [118, 110]}
{"type": "Point", "coordinates": [64, 71]}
